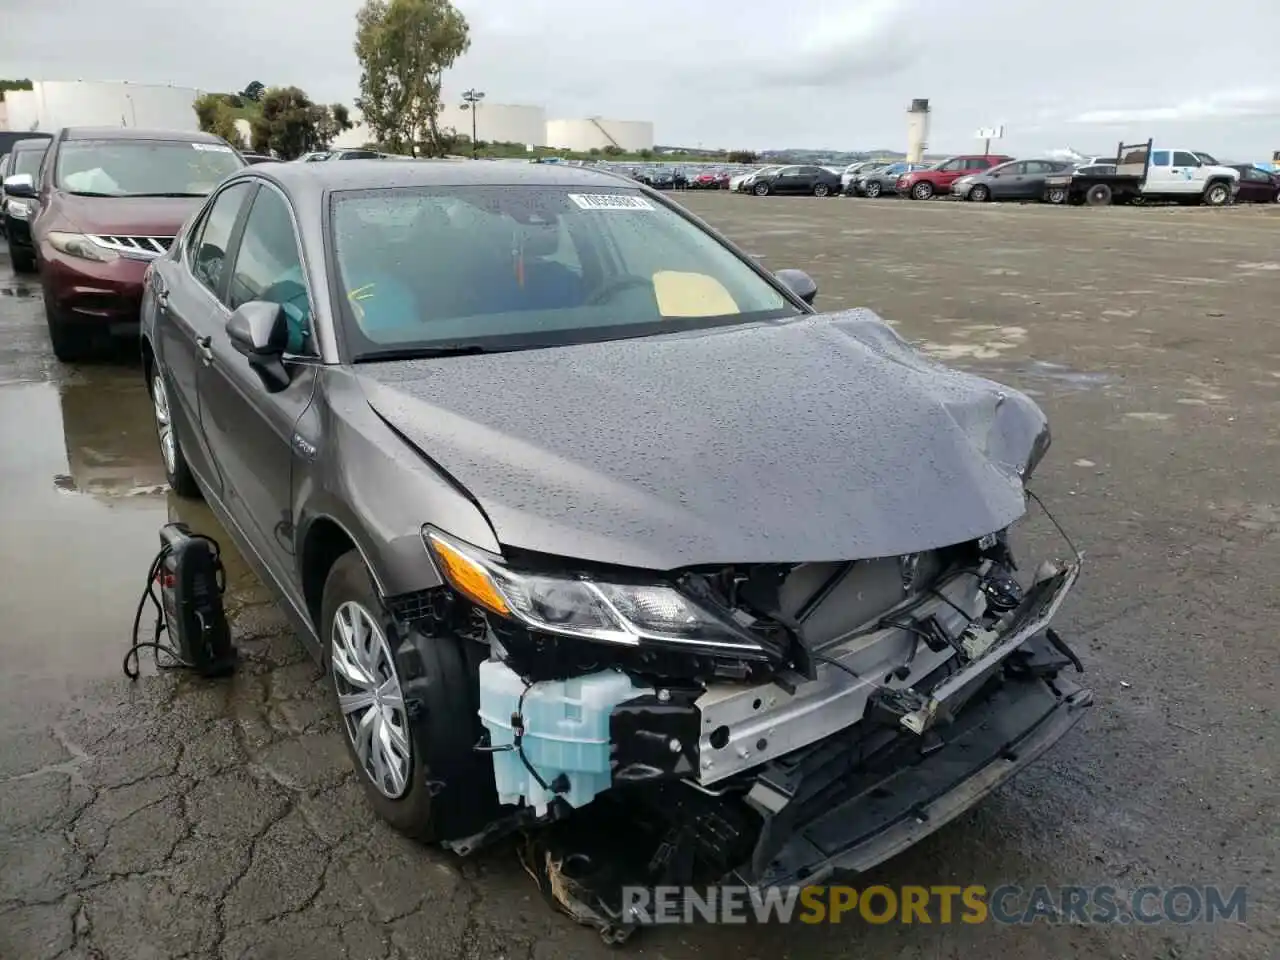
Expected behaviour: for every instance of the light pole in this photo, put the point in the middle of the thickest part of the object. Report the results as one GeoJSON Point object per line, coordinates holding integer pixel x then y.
{"type": "Point", "coordinates": [472, 100]}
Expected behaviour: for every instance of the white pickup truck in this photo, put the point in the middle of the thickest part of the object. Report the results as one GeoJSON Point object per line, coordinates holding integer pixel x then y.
{"type": "Point", "coordinates": [1144, 172]}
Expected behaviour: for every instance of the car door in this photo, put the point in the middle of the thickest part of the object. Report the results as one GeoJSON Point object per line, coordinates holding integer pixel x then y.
{"type": "Point", "coordinates": [947, 174]}
{"type": "Point", "coordinates": [788, 181]}
{"type": "Point", "coordinates": [1159, 173]}
{"type": "Point", "coordinates": [186, 292]}
{"type": "Point", "coordinates": [1003, 181]}
{"type": "Point", "coordinates": [1188, 172]}
{"type": "Point", "coordinates": [250, 428]}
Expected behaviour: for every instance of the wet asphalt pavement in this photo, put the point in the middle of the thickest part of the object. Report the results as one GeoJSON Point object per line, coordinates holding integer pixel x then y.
{"type": "Point", "coordinates": [172, 818]}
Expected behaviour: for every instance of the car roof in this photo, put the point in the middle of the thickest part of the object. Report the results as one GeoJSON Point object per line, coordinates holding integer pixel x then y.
{"type": "Point", "coordinates": [137, 133]}
{"type": "Point", "coordinates": [377, 174]}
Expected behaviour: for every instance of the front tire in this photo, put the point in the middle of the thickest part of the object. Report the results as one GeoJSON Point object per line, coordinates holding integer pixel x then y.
{"type": "Point", "coordinates": [176, 470]}
{"type": "Point", "coordinates": [760, 189]}
{"type": "Point", "coordinates": [872, 189]}
{"type": "Point", "coordinates": [979, 194]}
{"type": "Point", "coordinates": [922, 190]}
{"type": "Point", "coordinates": [69, 341]}
{"type": "Point", "coordinates": [408, 707]}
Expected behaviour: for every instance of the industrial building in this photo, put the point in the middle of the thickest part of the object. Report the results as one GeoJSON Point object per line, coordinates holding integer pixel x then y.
{"type": "Point", "coordinates": [51, 104]}
{"type": "Point", "coordinates": [597, 133]}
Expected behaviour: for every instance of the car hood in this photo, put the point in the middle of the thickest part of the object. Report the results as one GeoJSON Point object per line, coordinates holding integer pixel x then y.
{"type": "Point", "coordinates": [129, 216]}
{"type": "Point", "coordinates": [826, 437]}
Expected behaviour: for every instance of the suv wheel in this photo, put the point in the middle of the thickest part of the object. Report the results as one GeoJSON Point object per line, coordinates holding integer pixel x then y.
{"type": "Point", "coordinates": [176, 470]}
{"type": "Point", "coordinates": [24, 261]}
{"type": "Point", "coordinates": [922, 190]}
{"type": "Point", "coordinates": [70, 342]}
{"type": "Point", "coordinates": [1216, 194]}
{"type": "Point", "coordinates": [409, 708]}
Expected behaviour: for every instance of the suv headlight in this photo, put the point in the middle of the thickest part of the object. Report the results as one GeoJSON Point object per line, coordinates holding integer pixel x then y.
{"type": "Point", "coordinates": [629, 614]}
{"type": "Point", "coordinates": [78, 245]}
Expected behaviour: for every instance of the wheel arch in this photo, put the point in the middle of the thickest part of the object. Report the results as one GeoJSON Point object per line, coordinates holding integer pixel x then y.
{"type": "Point", "coordinates": [323, 542]}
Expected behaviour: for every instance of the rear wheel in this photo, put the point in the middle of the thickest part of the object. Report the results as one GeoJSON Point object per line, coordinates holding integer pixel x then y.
{"type": "Point", "coordinates": [1216, 194]}
{"type": "Point", "coordinates": [821, 190]}
{"type": "Point", "coordinates": [1098, 195]}
{"type": "Point", "coordinates": [179, 475]}
{"type": "Point", "coordinates": [979, 193]}
{"type": "Point", "coordinates": [1057, 195]}
{"type": "Point", "coordinates": [922, 190]}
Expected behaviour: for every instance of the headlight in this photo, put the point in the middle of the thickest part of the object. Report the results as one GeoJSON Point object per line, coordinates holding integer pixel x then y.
{"type": "Point", "coordinates": [78, 245]}
{"type": "Point", "coordinates": [629, 614]}
{"type": "Point", "coordinates": [18, 210]}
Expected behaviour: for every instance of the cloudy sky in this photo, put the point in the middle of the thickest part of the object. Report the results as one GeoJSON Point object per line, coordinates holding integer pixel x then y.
{"type": "Point", "coordinates": [750, 73]}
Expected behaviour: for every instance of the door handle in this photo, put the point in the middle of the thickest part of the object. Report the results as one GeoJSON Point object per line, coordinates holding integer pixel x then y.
{"type": "Point", "coordinates": [206, 349]}
{"type": "Point", "coordinates": [162, 298]}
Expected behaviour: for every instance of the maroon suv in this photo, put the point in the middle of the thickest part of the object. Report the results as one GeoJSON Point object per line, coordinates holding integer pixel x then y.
{"type": "Point", "coordinates": [936, 181]}
{"type": "Point", "coordinates": [109, 201]}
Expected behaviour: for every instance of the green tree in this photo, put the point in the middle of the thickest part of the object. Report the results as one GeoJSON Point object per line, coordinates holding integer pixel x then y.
{"type": "Point", "coordinates": [404, 47]}
{"type": "Point", "coordinates": [743, 156]}
{"type": "Point", "coordinates": [613, 150]}
{"type": "Point", "coordinates": [253, 91]}
{"type": "Point", "coordinates": [14, 85]}
{"type": "Point", "coordinates": [215, 116]}
{"type": "Point", "coordinates": [291, 125]}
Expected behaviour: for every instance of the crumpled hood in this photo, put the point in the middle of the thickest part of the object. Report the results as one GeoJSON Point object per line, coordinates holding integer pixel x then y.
{"type": "Point", "coordinates": [822, 438]}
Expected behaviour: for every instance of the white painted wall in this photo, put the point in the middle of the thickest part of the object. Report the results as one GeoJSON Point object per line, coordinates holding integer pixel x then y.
{"type": "Point", "coordinates": [598, 133]}
{"type": "Point", "coordinates": [917, 135]}
{"type": "Point", "coordinates": [52, 104]}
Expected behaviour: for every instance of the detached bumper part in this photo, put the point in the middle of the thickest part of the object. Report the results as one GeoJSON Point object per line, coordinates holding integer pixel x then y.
{"type": "Point", "coordinates": [824, 813]}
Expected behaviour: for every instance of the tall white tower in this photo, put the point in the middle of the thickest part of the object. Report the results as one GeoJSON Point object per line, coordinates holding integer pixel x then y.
{"type": "Point", "coordinates": [917, 130]}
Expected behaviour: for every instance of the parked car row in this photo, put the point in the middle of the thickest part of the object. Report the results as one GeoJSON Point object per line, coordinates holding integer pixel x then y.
{"type": "Point", "coordinates": [1137, 173]}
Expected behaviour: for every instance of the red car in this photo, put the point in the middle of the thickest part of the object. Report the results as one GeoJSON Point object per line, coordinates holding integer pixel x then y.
{"type": "Point", "coordinates": [109, 201]}
{"type": "Point", "coordinates": [936, 181]}
{"type": "Point", "coordinates": [1257, 185]}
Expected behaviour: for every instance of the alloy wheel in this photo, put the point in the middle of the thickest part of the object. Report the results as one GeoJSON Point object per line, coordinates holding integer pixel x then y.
{"type": "Point", "coordinates": [371, 699]}
{"type": "Point", "coordinates": [164, 423]}
{"type": "Point", "coordinates": [872, 189]}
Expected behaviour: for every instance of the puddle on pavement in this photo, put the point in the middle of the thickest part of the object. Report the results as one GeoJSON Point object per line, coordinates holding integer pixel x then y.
{"type": "Point", "coordinates": [20, 290]}
{"type": "Point", "coordinates": [83, 497]}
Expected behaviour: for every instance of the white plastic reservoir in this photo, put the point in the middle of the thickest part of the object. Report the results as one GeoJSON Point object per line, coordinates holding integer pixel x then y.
{"type": "Point", "coordinates": [566, 731]}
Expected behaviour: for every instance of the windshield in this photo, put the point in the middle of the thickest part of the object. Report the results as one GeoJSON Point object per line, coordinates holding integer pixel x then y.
{"type": "Point", "coordinates": [142, 168]}
{"type": "Point", "coordinates": [28, 162]}
{"type": "Point", "coordinates": [504, 267]}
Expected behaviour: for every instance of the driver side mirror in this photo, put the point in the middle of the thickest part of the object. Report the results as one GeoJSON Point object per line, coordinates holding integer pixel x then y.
{"type": "Point", "coordinates": [259, 330]}
{"type": "Point", "coordinates": [20, 186]}
{"type": "Point", "coordinates": [799, 283]}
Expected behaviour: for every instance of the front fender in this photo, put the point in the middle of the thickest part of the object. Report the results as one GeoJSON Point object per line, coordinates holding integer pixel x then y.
{"type": "Point", "coordinates": [371, 483]}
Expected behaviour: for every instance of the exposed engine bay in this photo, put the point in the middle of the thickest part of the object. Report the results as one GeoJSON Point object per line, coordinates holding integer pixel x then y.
{"type": "Point", "coordinates": [836, 713]}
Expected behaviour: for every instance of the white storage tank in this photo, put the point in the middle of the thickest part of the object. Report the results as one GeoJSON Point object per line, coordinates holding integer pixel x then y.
{"type": "Point", "coordinates": [599, 133]}
{"type": "Point", "coordinates": [92, 103]}
{"type": "Point", "coordinates": [498, 122]}
{"type": "Point", "coordinates": [20, 106]}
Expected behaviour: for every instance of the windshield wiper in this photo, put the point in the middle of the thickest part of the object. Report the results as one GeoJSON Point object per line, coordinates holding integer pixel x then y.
{"type": "Point", "coordinates": [166, 195]}
{"type": "Point", "coordinates": [93, 193]}
{"type": "Point", "coordinates": [426, 353]}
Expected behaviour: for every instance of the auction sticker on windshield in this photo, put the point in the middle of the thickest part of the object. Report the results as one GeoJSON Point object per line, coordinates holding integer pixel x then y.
{"type": "Point", "coordinates": [609, 201]}
{"type": "Point", "coordinates": [212, 147]}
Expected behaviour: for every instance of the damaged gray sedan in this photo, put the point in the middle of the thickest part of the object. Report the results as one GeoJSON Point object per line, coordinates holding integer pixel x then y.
{"type": "Point", "coordinates": [595, 522]}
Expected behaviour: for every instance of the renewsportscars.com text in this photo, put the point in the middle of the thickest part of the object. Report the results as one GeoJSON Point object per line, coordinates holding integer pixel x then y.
{"type": "Point", "coordinates": [973, 904]}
